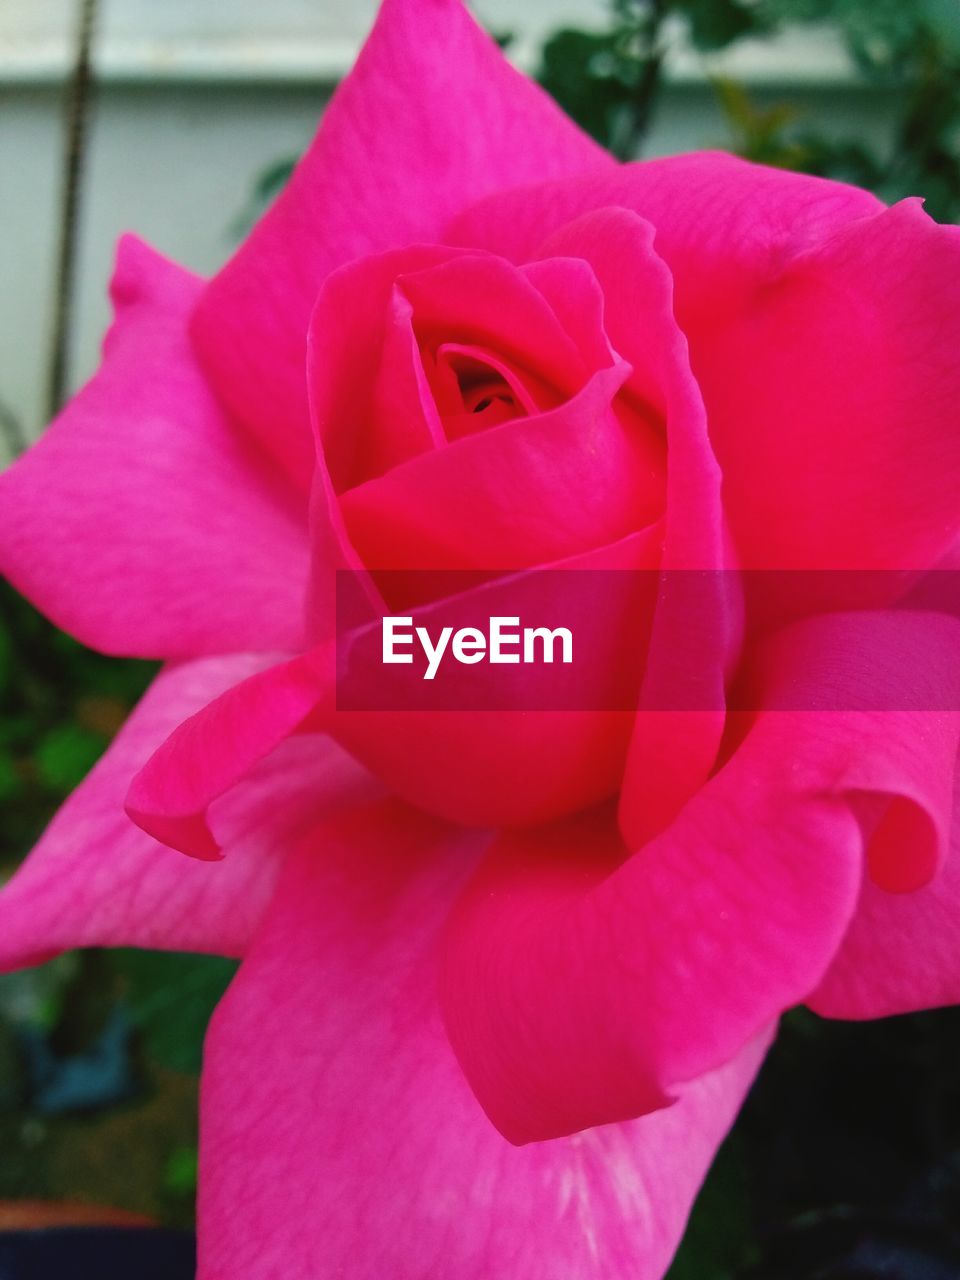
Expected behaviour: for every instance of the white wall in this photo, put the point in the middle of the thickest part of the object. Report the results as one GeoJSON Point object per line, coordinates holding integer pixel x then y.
{"type": "Point", "coordinates": [196, 97]}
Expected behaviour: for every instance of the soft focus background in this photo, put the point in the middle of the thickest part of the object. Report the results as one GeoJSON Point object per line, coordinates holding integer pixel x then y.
{"type": "Point", "coordinates": [180, 119]}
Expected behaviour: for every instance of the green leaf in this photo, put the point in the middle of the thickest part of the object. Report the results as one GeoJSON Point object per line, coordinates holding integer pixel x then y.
{"type": "Point", "coordinates": [714, 24]}
{"type": "Point", "coordinates": [66, 754]}
{"type": "Point", "coordinates": [170, 998]}
{"type": "Point", "coordinates": [943, 18]}
{"type": "Point", "coordinates": [583, 71]}
{"type": "Point", "coordinates": [180, 1173]}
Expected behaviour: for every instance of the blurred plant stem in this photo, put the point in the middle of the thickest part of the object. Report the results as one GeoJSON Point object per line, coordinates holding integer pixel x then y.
{"type": "Point", "coordinates": [609, 80]}
{"type": "Point", "coordinates": [12, 435]}
{"type": "Point", "coordinates": [643, 28]}
{"type": "Point", "coordinates": [76, 119]}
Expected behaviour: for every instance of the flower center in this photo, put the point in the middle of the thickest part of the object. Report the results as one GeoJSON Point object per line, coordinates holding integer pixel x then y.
{"type": "Point", "coordinates": [474, 390]}
{"type": "Point", "coordinates": [491, 393]}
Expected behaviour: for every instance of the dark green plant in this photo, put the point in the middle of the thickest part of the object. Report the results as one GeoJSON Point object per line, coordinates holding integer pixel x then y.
{"type": "Point", "coordinates": [60, 705]}
{"type": "Point", "coordinates": [610, 80]}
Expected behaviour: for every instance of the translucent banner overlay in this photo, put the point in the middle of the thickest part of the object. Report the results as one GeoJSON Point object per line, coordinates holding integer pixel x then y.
{"type": "Point", "coordinates": [616, 640]}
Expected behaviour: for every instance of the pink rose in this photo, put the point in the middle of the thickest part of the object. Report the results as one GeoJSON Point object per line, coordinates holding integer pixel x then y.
{"type": "Point", "coordinates": [464, 338]}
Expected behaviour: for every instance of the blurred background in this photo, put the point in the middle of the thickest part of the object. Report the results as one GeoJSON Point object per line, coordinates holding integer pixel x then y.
{"type": "Point", "coordinates": [181, 120]}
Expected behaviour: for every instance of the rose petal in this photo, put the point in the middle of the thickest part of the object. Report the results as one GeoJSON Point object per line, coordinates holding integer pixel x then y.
{"type": "Point", "coordinates": [890, 678]}
{"type": "Point", "coordinates": [94, 879]}
{"type": "Point", "coordinates": [574, 294]}
{"type": "Point", "coordinates": [720, 220]}
{"type": "Point", "coordinates": [856, 465]}
{"type": "Point", "coordinates": [371, 405]}
{"type": "Point", "coordinates": [482, 299]}
{"type": "Point", "coordinates": [818, 322]}
{"type": "Point", "coordinates": [570, 976]}
{"type": "Point", "coordinates": [367, 418]}
{"type": "Point", "coordinates": [391, 165]}
{"type": "Point", "coordinates": [527, 492]}
{"type": "Point", "coordinates": [507, 766]}
{"type": "Point", "coordinates": [673, 749]}
{"type": "Point", "coordinates": [140, 522]}
{"type": "Point", "coordinates": [339, 1134]}
{"type": "Point", "coordinates": [572, 968]}
{"type": "Point", "coordinates": [219, 745]}
{"type": "Point", "coordinates": [902, 950]}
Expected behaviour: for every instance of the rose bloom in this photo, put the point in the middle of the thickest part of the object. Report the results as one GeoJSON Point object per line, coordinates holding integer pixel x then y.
{"type": "Point", "coordinates": [506, 977]}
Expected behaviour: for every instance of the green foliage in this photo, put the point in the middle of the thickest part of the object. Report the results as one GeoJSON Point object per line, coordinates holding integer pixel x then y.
{"type": "Point", "coordinates": [60, 705]}
{"type": "Point", "coordinates": [610, 80]}
{"type": "Point", "coordinates": [595, 80]}
{"type": "Point", "coordinates": [65, 754]}
{"type": "Point", "coordinates": [607, 80]}
{"type": "Point", "coordinates": [170, 998]}
{"type": "Point", "coordinates": [180, 1174]}
{"type": "Point", "coordinates": [713, 24]}
{"type": "Point", "coordinates": [913, 52]}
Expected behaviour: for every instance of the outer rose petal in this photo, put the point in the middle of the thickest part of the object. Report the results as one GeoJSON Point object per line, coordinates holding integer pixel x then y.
{"type": "Point", "coordinates": [902, 951]}
{"type": "Point", "coordinates": [672, 751]}
{"type": "Point", "coordinates": [141, 522]}
{"type": "Point", "coordinates": [431, 118]}
{"type": "Point", "coordinates": [809, 309]}
{"type": "Point", "coordinates": [95, 879]}
{"type": "Point", "coordinates": [572, 968]}
{"type": "Point", "coordinates": [901, 670]}
{"type": "Point", "coordinates": [339, 1137]}
{"type": "Point", "coordinates": [832, 393]}
{"type": "Point", "coordinates": [219, 745]}
{"type": "Point", "coordinates": [720, 221]}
